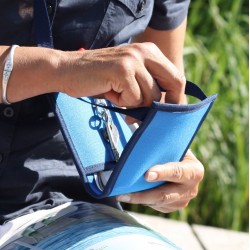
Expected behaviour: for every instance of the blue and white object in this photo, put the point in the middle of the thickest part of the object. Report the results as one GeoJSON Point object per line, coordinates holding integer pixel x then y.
{"type": "Point", "coordinates": [110, 158]}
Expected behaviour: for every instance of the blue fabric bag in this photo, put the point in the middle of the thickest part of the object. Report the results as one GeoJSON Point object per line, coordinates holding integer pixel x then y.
{"type": "Point", "coordinates": [165, 134]}
{"type": "Point", "coordinates": [110, 158]}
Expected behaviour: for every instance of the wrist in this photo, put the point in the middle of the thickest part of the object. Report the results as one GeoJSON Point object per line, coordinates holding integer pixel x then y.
{"type": "Point", "coordinates": [63, 64]}
{"type": "Point", "coordinates": [71, 71]}
{"type": "Point", "coordinates": [56, 64]}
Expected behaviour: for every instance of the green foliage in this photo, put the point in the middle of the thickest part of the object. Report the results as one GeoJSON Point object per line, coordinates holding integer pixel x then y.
{"type": "Point", "coordinates": [216, 58]}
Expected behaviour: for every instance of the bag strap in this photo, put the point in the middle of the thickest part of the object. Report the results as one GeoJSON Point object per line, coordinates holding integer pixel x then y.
{"type": "Point", "coordinates": [42, 25]}
{"type": "Point", "coordinates": [44, 39]}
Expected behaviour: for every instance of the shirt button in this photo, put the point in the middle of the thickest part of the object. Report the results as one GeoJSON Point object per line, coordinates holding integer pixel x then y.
{"type": "Point", "coordinates": [49, 9]}
{"type": "Point", "coordinates": [1, 158]}
{"type": "Point", "coordinates": [8, 112]}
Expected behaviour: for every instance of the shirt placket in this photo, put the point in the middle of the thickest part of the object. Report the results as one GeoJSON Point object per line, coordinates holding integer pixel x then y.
{"type": "Point", "coordinates": [8, 119]}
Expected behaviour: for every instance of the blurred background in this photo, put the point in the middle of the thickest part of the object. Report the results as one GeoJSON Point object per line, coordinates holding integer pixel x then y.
{"type": "Point", "coordinates": [216, 58]}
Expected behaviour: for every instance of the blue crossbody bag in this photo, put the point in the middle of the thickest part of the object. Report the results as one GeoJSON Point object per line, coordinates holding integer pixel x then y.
{"type": "Point", "coordinates": [110, 157]}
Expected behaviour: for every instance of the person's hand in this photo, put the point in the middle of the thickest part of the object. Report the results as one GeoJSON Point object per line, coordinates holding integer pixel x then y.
{"type": "Point", "coordinates": [182, 178]}
{"type": "Point", "coordinates": [125, 75]}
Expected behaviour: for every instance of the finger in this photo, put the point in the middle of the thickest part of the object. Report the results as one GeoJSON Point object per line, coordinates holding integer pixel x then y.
{"type": "Point", "coordinates": [157, 196]}
{"type": "Point", "coordinates": [165, 72]}
{"type": "Point", "coordinates": [130, 120]}
{"type": "Point", "coordinates": [163, 209]}
{"type": "Point", "coordinates": [125, 93]}
{"type": "Point", "coordinates": [171, 207]}
{"type": "Point", "coordinates": [189, 170]}
{"type": "Point", "coordinates": [148, 86]}
{"type": "Point", "coordinates": [164, 195]}
{"type": "Point", "coordinates": [171, 196]}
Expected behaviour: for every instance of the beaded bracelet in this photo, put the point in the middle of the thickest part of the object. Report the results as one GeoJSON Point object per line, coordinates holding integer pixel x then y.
{"type": "Point", "coordinates": [7, 72]}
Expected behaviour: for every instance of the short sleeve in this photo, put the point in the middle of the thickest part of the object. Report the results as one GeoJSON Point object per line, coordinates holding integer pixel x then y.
{"type": "Point", "coordinates": [168, 14]}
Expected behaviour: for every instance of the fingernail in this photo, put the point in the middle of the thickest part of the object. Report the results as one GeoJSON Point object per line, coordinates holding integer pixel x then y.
{"type": "Point", "coordinates": [124, 198]}
{"type": "Point", "coordinates": [152, 176]}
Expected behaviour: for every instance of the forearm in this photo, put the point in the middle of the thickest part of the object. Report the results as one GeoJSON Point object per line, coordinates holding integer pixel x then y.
{"type": "Point", "coordinates": [39, 70]}
{"type": "Point", "coordinates": [35, 72]}
{"type": "Point", "coordinates": [123, 74]}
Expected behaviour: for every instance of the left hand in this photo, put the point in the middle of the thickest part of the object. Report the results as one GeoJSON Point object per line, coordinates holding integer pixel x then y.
{"type": "Point", "coordinates": [182, 179]}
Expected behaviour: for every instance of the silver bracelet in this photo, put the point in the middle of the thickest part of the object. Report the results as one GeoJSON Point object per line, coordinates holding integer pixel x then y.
{"type": "Point", "coordinates": [6, 73]}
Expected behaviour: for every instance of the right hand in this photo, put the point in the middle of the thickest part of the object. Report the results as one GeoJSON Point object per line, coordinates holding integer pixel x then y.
{"type": "Point", "coordinates": [125, 75]}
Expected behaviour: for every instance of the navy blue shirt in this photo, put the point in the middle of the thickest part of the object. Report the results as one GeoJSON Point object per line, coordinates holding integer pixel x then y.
{"type": "Point", "coordinates": [36, 169]}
